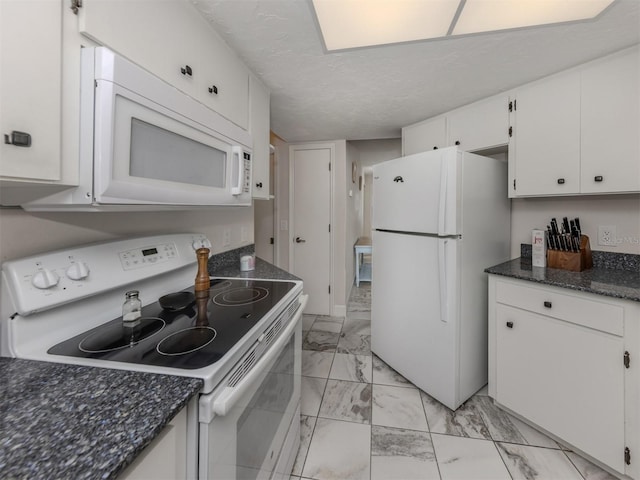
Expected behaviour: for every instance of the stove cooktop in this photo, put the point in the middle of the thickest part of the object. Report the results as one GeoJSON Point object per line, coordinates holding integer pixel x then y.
{"type": "Point", "coordinates": [189, 338]}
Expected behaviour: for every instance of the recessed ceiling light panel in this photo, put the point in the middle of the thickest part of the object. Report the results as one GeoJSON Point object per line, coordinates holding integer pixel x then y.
{"type": "Point", "coordinates": [488, 15]}
{"type": "Point", "coordinates": [360, 23]}
{"type": "Point", "coordinates": [363, 23]}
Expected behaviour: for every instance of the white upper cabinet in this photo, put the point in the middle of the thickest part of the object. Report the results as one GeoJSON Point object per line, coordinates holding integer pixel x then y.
{"type": "Point", "coordinates": [259, 101]}
{"type": "Point", "coordinates": [423, 136]}
{"type": "Point", "coordinates": [546, 137]}
{"type": "Point", "coordinates": [478, 126]}
{"type": "Point", "coordinates": [481, 125]}
{"type": "Point", "coordinates": [30, 90]}
{"type": "Point", "coordinates": [610, 113]}
{"type": "Point", "coordinates": [173, 41]}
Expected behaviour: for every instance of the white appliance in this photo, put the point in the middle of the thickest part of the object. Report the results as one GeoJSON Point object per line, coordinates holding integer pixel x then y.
{"type": "Point", "coordinates": [66, 306]}
{"type": "Point", "coordinates": [439, 218]}
{"type": "Point", "coordinates": [144, 145]}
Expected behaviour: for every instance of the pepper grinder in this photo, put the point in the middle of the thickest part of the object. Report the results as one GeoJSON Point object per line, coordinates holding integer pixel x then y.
{"type": "Point", "coordinates": [202, 283]}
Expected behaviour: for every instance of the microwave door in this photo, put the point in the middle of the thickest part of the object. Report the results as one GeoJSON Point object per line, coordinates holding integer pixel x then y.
{"type": "Point", "coordinates": [147, 154]}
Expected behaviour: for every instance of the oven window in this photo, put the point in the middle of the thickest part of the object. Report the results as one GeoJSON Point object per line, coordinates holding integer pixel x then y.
{"type": "Point", "coordinates": [163, 155]}
{"type": "Point", "coordinates": [259, 423]}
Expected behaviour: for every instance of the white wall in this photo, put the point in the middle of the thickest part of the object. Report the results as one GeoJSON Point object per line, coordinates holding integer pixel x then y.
{"type": "Point", "coordinates": [622, 211]}
{"type": "Point", "coordinates": [23, 233]}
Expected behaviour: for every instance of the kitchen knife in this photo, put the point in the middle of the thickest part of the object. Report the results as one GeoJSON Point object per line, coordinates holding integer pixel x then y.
{"type": "Point", "coordinates": [565, 225]}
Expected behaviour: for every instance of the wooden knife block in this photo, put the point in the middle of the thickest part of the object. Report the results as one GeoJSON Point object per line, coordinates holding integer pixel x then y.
{"type": "Point", "coordinates": [573, 261]}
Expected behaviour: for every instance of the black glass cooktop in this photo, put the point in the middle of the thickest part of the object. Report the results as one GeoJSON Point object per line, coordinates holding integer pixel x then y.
{"type": "Point", "coordinates": [191, 335]}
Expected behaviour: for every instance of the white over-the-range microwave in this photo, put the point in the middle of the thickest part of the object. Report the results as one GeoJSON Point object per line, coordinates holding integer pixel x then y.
{"type": "Point", "coordinates": [145, 145]}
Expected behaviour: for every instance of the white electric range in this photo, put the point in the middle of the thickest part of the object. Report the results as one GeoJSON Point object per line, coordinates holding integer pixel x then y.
{"type": "Point", "coordinates": [243, 340]}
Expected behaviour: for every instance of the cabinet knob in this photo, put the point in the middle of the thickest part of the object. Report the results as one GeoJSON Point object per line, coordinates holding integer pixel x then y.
{"type": "Point", "coordinates": [186, 70]}
{"type": "Point", "coordinates": [435, 148]}
{"type": "Point", "coordinates": [561, 181]}
{"type": "Point", "coordinates": [457, 142]}
{"type": "Point", "coordinates": [547, 304]}
{"type": "Point", "coordinates": [598, 178]}
{"type": "Point", "coordinates": [213, 89]}
{"type": "Point", "coordinates": [259, 184]}
{"type": "Point", "coordinates": [509, 324]}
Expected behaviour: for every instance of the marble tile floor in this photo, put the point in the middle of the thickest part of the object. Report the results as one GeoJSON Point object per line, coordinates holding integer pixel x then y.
{"type": "Point", "coordinates": [361, 420]}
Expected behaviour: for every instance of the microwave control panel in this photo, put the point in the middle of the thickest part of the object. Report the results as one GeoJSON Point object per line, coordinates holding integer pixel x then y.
{"type": "Point", "coordinates": [247, 173]}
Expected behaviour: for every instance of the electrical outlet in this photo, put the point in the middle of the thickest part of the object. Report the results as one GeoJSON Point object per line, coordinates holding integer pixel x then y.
{"type": "Point", "coordinates": [226, 237]}
{"type": "Point", "coordinates": [607, 235]}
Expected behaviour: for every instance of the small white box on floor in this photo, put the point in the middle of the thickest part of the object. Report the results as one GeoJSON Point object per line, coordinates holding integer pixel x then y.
{"type": "Point", "coordinates": [538, 248]}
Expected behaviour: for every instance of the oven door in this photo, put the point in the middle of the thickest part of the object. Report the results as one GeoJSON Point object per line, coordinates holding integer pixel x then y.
{"type": "Point", "coordinates": [243, 428]}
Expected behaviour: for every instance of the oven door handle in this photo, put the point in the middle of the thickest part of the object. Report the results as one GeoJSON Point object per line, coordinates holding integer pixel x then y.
{"type": "Point", "coordinates": [230, 395]}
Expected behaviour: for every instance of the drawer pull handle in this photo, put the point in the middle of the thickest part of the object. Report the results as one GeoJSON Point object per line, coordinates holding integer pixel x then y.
{"type": "Point", "coordinates": [561, 181]}
{"type": "Point", "coordinates": [509, 324]}
{"type": "Point", "coordinates": [547, 304]}
{"type": "Point", "coordinates": [598, 178]}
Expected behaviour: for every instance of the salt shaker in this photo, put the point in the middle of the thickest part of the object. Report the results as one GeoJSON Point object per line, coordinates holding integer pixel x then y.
{"type": "Point", "coordinates": [132, 308]}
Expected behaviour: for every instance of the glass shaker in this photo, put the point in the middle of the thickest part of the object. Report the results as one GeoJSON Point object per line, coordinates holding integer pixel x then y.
{"type": "Point", "coordinates": [131, 309]}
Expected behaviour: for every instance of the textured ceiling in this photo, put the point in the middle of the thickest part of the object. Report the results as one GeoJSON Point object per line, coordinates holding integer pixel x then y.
{"type": "Point", "coordinates": [372, 93]}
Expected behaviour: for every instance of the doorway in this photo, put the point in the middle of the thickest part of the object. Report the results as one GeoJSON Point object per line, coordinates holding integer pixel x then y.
{"type": "Point", "coordinates": [310, 225]}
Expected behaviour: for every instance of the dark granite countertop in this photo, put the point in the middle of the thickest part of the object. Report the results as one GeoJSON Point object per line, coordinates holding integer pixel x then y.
{"type": "Point", "coordinates": [76, 422]}
{"type": "Point", "coordinates": [227, 264]}
{"type": "Point", "coordinates": [618, 283]}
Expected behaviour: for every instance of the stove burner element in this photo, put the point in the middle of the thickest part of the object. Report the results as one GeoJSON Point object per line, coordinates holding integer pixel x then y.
{"type": "Point", "coordinates": [116, 336]}
{"type": "Point", "coordinates": [240, 296]}
{"type": "Point", "coordinates": [186, 341]}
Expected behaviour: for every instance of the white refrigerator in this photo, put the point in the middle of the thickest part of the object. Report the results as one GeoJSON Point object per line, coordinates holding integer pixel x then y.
{"type": "Point", "coordinates": [439, 218]}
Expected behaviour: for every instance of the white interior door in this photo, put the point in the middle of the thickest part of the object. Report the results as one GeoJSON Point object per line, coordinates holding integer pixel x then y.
{"type": "Point", "coordinates": [311, 217]}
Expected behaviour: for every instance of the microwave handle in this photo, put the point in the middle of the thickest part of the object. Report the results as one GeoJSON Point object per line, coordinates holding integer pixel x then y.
{"type": "Point", "coordinates": [230, 396]}
{"type": "Point", "coordinates": [238, 164]}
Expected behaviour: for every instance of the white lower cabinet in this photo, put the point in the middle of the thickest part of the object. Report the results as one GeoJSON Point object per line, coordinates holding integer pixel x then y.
{"type": "Point", "coordinates": [165, 457]}
{"type": "Point", "coordinates": [557, 359]}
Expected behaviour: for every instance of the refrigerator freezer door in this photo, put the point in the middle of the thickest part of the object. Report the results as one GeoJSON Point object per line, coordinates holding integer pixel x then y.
{"type": "Point", "coordinates": [412, 330]}
{"type": "Point", "coordinates": [418, 193]}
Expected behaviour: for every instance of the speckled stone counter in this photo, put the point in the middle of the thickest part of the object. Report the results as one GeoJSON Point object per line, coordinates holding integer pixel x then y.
{"type": "Point", "coordinates": [618, 283]}
{"type": "Point", "coordinates": [73, 422]}
{"type": "Point", "coordinates": [227, 264]}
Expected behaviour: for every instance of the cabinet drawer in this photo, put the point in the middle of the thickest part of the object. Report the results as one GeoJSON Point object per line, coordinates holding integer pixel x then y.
{"type": "Point", "coordinates": [548, 301]}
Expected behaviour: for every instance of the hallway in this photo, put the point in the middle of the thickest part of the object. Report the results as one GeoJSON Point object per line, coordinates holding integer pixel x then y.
{"type": "Point", "coordinates": [361, 420]}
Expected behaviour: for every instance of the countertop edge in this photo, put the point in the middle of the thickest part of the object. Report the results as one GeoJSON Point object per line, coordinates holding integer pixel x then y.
{"type": "Point", "coordinates": [620, 284]}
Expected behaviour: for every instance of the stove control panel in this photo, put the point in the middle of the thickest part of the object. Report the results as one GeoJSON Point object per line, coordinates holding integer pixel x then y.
{"type": "Point", "coordinates": [48, 280]}
{"type": "Point", "coordinates": [148, 255]}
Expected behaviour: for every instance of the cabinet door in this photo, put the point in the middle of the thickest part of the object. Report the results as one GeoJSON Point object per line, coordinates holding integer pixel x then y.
{"type": "Point", "coordinates": [30, 87]}
{"type": "Point", "coordinates": [482, 125]}
{"type": "Point", "coordinates": [565, 378]}
{"type": "Point", "coordinates": [179, 46]}
{"type": "Point", "coordinates": [610, 112]}
{"type": "Point", "coordinates": [165, 46]}
{"type": "Point", "coordinates": [260, 134]}
{"type": "Point", "coordinates": [547, 137]}
{"type": "Point", "coordinates": [165, 457]}
{"type": "Point", "coordinates": [223, 72]}
{"type": "Point", "coordinates": [424, 136]}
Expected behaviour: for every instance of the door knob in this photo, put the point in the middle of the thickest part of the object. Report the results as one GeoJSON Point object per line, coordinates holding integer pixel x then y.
{"type": "Point", "coordinates": [300, 240]}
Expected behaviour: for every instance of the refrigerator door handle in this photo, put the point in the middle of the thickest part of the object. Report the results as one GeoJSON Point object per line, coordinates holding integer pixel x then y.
{"type": "Point", "coordinates": [442, 277]}
{"type": "Point", "coordinates": [442, 206]}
